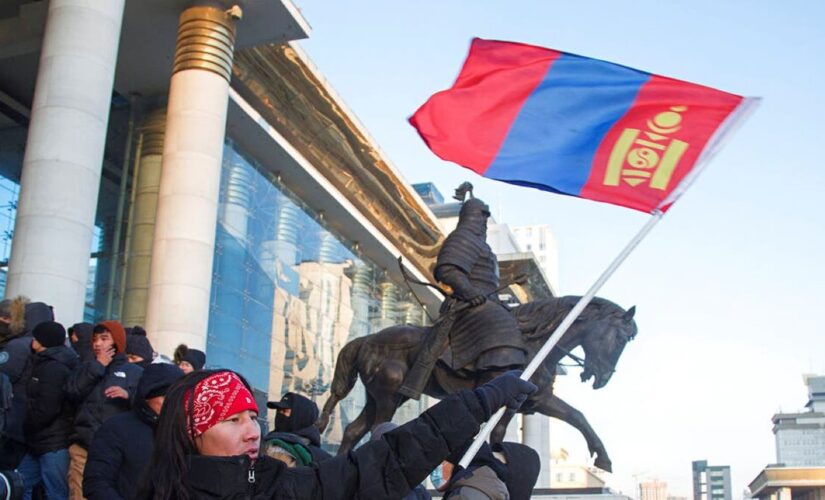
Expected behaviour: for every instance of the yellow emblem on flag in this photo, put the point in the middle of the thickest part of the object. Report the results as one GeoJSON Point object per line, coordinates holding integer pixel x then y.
{"type": "Point", "coordinates": [647, 155]}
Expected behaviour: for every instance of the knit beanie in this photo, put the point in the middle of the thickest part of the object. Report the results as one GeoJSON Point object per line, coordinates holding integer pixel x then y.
{"type": "Point", "coordinates": [195, 358]}
{"type": "Point", "coordinates": [156, 379]}
{"type": "Point", "coordinates": [118, 333]}
{"type": "Point", "coordinates": [139, 345]}
{"type": "Point", "coordinates": [49, 334]}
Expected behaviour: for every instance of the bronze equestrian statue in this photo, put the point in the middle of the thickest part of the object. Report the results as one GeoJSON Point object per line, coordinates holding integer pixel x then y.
{"type": "Point", "coordinates": [382, 360]}
{"type": "Point", "coordinates": [475, 339]}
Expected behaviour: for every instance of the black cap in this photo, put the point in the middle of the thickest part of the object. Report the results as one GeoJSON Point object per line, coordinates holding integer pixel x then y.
{"type": "Point", "coordinates": [284, 403]}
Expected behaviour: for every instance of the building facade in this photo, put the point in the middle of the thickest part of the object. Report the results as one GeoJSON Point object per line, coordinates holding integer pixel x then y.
{"type": "Point", "coordinates": [711, 482]}
{"type": "Point", "coordinates": [799, 473]}
{"type": "Point", "coordinates": [653, 489]}
{"type": "Point", "coordinates": [539, 239]}
{"type": "Point", "coordinates": [800, 437]}
{"type": "Point", "coordinates": [184, 166]}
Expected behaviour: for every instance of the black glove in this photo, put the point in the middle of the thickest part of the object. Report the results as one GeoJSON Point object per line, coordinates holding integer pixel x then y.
{"type": "Point", "coordinates": [462, 288]}
{"type": "Point", "coordinates": [507, 389]}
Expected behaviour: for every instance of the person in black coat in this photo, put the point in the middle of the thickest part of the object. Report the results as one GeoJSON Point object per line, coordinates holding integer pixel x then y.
{"type": "Point", "coordinates": [208, 437]}
{"type": "Point", "coordinates": [81, 336]}
{"type": "Point", "coordinates": [48, 412]}
{"type": "Point", "coordinates": [102, 388]}
{"type": "Point", "coordinates": [138, 348]}
{"type": "Point", "coordinates": [123, 445]}
{"type": "Point", "coordinates": [523, 468]}
{"type": "Point", "coordinates": [512, 469]}
{"type": "Point", "coordinates": [485, 477]}
{"type": "Point", "coordinates": [15, 363]}
{"type": "Point", "coordinates": [295, 425]}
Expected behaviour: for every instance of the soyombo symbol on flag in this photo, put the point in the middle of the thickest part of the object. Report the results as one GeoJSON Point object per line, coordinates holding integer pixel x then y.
{"type": "Point", "coordinates": [573, 125]}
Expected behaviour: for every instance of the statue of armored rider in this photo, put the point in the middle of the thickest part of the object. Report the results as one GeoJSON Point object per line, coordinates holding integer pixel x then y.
{"type": "Point", "coordinates": [481, 332]}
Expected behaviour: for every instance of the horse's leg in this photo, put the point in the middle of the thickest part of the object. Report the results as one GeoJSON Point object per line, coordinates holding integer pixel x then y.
{"type": "Point", "coordinates": [385, 390]}
{"type": "Point", "coordinates": [329, 406]}
{"type": "Point", "coordinates": [358, 427]}
{"type": "Point", "coordinates": [550, 405]}
{"type": "Point", "coordinates": [385, 409]}
{"type": "Point", "coordinates": [500, 430]}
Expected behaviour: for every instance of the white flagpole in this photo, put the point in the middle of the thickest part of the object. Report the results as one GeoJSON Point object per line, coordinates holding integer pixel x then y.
{"type": "Point", "coordinates": [746, 107]}
{"type": "Point", "coordinates": [551, 342]}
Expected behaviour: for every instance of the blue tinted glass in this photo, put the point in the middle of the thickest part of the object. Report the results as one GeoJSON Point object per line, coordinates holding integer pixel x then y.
{"type": "Point", "coordinates": [287, 294]}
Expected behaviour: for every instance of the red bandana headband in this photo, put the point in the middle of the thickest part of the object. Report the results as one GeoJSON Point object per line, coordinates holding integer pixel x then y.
{"type": "Point", "coordinates": [217, 397]}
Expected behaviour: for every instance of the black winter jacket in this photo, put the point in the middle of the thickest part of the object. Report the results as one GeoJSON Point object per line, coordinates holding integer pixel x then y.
{"type": "Point", "coordinates": [120, 451]}
{"type": "Point", "coordinates": [15, 362]}
{"type": "Point", "coordinates": [385, 469]}
{"type": "Point", "coordinates": [85, 387]}
{"type": "Point", "coordinates": [49, 413]}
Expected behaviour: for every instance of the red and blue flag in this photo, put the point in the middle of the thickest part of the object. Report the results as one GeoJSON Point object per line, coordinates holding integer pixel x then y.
{"type": "Point", "coordinates": [569, 124]}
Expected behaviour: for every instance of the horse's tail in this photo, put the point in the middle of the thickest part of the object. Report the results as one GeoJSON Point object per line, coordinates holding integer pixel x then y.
{"type": "Point", "coordinates": [346, 374]}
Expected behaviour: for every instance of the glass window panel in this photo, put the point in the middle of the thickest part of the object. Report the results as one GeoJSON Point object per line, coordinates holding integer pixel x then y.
{"type": "Point", "coordinates": [287, 294]}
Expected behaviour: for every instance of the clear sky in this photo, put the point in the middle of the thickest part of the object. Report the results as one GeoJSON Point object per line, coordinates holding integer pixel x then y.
{"type": "Point", "coordinates": [728, 287]}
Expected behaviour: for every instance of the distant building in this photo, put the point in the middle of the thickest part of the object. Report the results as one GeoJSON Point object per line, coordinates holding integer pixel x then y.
{"type": "Point", "coordinates": [711, 482]}
{"type": "Point", "coordinates": [540, 240]}
{"type": "Point", "coordinates": [429, 193]}
{"type": "Point", "coordinates": [800, 452]}
{"type": "Point", "coordinates": [800, 437]}
{"type": "Point", "coordinates": [789, 483]}
{"type": "Point", "coordinates": [653, 489]}
{"type": "Point", "coordinates": [565, 475]}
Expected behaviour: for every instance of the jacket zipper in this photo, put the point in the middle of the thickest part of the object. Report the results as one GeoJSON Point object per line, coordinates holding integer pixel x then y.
{"type": "Point", "coordinates": [250, 478]}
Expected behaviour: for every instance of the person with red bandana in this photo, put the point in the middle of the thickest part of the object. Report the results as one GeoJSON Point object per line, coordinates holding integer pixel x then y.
{"type": "Point", "coordinates": [208, 439]}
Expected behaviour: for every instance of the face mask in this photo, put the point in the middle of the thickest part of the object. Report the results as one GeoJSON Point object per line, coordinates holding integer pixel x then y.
{"type": "Point", "coordinates": [437, 476]}
{"type": "Point", "coordinates": [282, 423]}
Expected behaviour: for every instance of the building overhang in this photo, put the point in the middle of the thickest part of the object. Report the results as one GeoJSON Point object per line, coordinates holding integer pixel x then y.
{"type": "Point", "coordinates": [286, 166]}
{"type": "Point", "coordinates": [150, 27]}
{"type": "Point", "coordinates": [147, 41]}
{"type": "Point", "coordinates": [291, 95]}
{"type": "Point", "coordinates": [772, 479]}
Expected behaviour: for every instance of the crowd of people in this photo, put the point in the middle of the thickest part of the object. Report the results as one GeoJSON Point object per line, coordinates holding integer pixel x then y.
{"type": "Point", "coordinates": [94, 412]}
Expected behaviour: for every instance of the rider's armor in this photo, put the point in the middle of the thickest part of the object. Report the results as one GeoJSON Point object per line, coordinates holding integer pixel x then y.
{"type": "Point", "coordinates": [490, 325]}
{"type": "Point", "coordinates": [481, 337]}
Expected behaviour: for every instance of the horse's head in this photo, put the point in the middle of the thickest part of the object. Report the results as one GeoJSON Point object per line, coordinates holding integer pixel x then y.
{"type": "Point", "coordinates": [604, 336]}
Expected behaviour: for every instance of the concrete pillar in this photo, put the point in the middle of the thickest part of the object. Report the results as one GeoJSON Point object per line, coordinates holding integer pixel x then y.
{"type": "Point", "coordinates": [181, 271]}
{"type": "Point", "coordinates": [536, 433]}
{"type": "Point", "coordinates": [64, 153]}
{"type": "Point", "coordinates": [142, 223]}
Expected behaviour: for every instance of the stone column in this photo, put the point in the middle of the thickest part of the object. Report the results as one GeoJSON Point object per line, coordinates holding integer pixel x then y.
{"type": "Point", "coordinates": [536, 434]}
{"type": "Point", "coordinates": [181, 271]}
{"type": "Point", "coordinates": [64, 153]}
{"type": "Point", "coordinates": [142, 223]}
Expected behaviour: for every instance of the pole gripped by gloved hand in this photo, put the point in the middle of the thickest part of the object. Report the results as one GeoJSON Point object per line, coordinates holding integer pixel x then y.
{"type": "Point", "coordinates": [505, 390]}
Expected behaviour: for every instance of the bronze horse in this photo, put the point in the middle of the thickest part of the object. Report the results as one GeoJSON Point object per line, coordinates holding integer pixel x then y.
{"type": "Point", "coordinates": [382, 360]}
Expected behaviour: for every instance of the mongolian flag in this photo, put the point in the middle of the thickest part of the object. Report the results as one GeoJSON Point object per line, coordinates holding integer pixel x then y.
{"type": "Point", "coordinates": [569, 124]}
